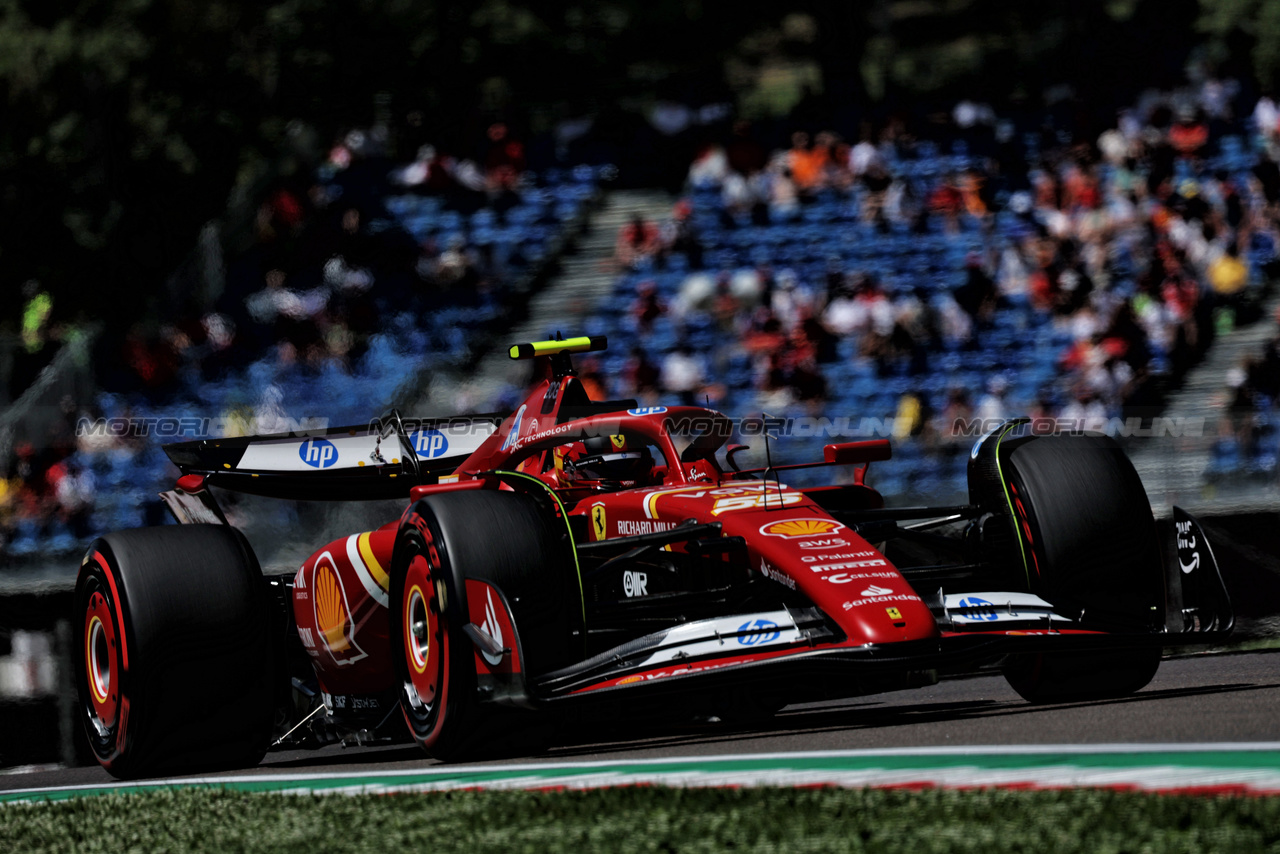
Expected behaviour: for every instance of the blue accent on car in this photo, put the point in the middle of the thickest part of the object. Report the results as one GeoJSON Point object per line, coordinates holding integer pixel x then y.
{"type": "Point", "coordinates": [318, 453]}
{"type": "Point", "coordinates": [429, 444]}
{"type": "Point", "coordinates": [760, 632]}
{"type": "Point", "coordinates": [988, 609]}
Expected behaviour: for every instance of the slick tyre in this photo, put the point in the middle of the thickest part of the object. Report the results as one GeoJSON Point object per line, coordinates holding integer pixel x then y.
{"type": "Point", "coordinates": [509, 542]}
{"type": "Point", "coordinates": [1080, 534]}
{"type": "Point", "coordinates": [174, 665]}
{"type": "Point", "coordinates": [1079, 677]}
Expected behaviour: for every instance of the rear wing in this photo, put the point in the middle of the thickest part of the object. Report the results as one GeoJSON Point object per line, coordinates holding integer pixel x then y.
{"type": "Point", "coordinates": [382, 459]}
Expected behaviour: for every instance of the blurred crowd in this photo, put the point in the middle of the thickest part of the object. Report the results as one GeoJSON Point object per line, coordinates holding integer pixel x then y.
{"type": "Point", "coordinates": [353, 282]}
{"type": "Point", "coordinates": [1123, 256]}
{"type": "Point", "coordinates": [978, 268]}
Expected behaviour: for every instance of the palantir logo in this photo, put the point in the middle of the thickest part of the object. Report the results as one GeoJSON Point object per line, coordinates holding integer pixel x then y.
{"type": "Point", "coordinates": [756, 632]}
{"type": "Point", "coordinates": [318, 453]}
{"type": "Point", "coordinates": [430, 444]}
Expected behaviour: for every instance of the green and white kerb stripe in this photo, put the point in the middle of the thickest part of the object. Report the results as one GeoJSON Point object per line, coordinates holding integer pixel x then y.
{"type": "Point", "coordinates": [1224, 768]}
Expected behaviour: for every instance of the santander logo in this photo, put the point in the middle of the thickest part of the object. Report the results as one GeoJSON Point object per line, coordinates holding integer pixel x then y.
{"type": "Point", "coordinates": [875, 590]}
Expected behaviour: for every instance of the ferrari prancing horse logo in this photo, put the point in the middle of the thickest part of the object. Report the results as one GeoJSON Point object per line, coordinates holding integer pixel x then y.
{"type": "Point", "coordinates": [597, 522]}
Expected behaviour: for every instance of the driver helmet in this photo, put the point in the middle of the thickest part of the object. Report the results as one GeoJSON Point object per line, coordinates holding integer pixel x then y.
{"type": "Point", "coordinates": [608, 458]}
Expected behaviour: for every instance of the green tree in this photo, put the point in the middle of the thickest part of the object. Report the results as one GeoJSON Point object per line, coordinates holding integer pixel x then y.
{"type": "Point", "coordinates": [1249, 25]}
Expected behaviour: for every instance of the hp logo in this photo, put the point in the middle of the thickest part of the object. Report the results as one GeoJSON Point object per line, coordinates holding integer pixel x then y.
{"type": "Point", "coordinates": [318, 453]}
{"type": "Point", "coordinates": [756, 632]}
{"type": "Point", "coordinates": [429, 444]}
{"type": "Point", "coordinates": [984, 609]}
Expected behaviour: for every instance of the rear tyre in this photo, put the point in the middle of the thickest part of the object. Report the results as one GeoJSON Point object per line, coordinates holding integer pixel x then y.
{"type": "Point", "coordinates": [174, 669]}
{"type": "Point", "coordinates": [1078, 531]}
{"type": "Point", "coordinates": [511, 542]}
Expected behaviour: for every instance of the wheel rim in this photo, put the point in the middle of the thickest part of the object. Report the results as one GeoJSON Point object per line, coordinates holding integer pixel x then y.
{"type": "Point", "coordinates": [101, 659]}
{"type": "Point", "coordinates": [423, 644]}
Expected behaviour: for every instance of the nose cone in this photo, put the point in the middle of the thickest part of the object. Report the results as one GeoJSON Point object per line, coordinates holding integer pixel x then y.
{"type": "Point", "coordinates": [883, 611]}
{"type": "Point", "coordinates": [844, 575]}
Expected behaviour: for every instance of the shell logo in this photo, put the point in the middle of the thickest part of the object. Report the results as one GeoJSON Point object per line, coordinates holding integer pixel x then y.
{"type": "Point", "coordinates": [793, 529]}
{"type": "Point", "coordinates": [333, 614]}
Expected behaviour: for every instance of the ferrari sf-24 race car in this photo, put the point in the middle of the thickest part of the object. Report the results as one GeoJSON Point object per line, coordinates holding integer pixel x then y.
{"type": "Point", "coordinates": [607, 559]}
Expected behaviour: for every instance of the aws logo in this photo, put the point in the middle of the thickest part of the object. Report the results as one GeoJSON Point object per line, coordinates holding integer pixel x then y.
{"type": "Point", "coordinates": [318, 453]}
{"type": "Point", "coordinates": [333, 613]}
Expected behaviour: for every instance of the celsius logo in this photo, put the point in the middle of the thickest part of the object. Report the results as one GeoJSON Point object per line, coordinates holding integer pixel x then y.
{"type": "Point", "coordinates": [429, 444]}
{"type": "Point", "coordinates": [318, 453]}
{"type": "Point", "coordinates": [873, 590]}
{"type": "Point", "coordinates": [757, 632]}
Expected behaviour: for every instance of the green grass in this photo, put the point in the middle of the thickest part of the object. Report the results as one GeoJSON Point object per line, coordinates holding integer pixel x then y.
{"type": "Point", "coordinates": [648, 819]}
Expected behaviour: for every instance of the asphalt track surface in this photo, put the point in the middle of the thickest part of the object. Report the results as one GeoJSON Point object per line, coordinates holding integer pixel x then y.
{"type": "Point", "coordinates": [1202, 699]}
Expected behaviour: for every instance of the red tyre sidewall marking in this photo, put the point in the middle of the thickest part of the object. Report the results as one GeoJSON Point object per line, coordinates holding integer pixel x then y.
{"type": "Point", "coordinates": [103, 696]}
{"type": "Point", "coordinates": [122, 722]}
{"type": "Point", "coordinates": [419, 577]}
{"type": "Point", "coordinates": [1026, 527]}
{"type": "Point", "coordinates": [115, 601]}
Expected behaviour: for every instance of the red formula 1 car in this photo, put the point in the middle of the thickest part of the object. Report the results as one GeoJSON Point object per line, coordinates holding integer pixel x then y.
{"type": "Point", "coordinates": [597, 557]}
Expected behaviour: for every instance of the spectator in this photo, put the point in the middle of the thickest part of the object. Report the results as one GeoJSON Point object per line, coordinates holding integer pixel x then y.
{"type": "Point", "coordinates": [648, 306]}
{"type": "Point", "coordinates": [640, 377]}
{"type": "Point", "coordinates": [684, 374]}
{"type": "Point", "coordinates": [806, 164]}
{"type": "Point", "coordinates": [639, 243]}
{"type": "Point", "coordinates": [957, 412]}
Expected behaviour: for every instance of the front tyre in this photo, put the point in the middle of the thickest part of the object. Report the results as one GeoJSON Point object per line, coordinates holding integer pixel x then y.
{"type": "Point", "coordinates": [1081, 677]}
{"type": "Point", "coordinates": [431, 652]}
{"type": "Point", "coordinates": [512, 554]}
{"type": "Point", "coordinates": [1072, 524]}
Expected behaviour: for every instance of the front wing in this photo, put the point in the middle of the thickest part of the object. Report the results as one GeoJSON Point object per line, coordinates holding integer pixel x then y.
{"type": "Point", "coordinates": [798, 652]}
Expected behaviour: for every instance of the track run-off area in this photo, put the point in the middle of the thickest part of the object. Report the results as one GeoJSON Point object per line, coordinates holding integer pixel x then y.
{"type": "Point", "coordinates": [1206, 724]}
